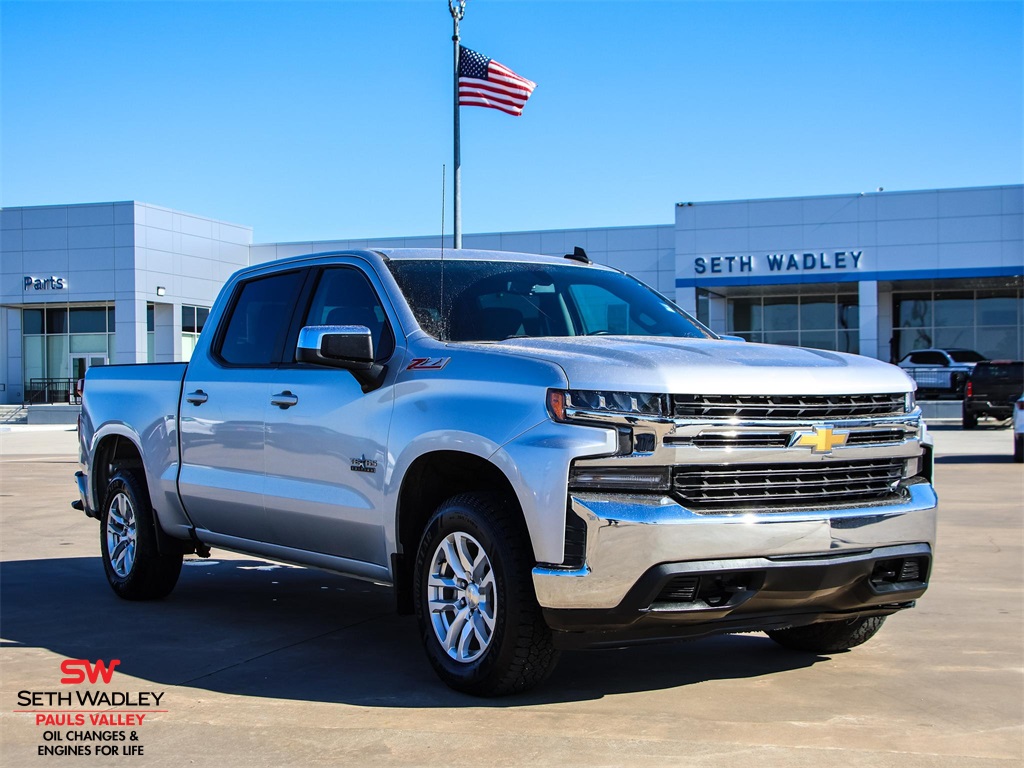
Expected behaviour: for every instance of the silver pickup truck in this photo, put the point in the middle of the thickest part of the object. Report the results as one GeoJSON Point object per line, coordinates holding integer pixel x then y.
{"type": "Point", "coordinates": [536, 453]}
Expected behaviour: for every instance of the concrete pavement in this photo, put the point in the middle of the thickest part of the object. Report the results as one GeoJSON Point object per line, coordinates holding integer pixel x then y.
{"type": "Point", "coordinates": [267, 665]}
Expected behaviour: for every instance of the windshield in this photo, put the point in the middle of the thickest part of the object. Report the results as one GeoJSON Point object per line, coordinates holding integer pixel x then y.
{"type": "Point", "coordinates": [496, 300]}
{"type": "Point", "coordinates": [966, 356]}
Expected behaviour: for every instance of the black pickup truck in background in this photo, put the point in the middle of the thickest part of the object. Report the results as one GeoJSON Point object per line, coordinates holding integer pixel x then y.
{"type": "Point", "coordinates": [991, 390]}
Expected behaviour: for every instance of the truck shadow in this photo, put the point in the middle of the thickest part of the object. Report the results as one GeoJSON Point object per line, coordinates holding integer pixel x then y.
{"type": "Point", "coordinates": [251, 628]}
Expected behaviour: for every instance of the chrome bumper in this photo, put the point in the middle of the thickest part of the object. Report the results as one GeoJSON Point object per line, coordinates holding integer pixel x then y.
{"type": "Point", "coordinates": [629, 535]}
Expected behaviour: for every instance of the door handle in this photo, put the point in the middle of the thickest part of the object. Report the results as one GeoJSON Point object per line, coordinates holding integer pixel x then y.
{"type": "Point", "coordinates": [197, 398]}
{"type": "Point", "coordinates": [284, 400]}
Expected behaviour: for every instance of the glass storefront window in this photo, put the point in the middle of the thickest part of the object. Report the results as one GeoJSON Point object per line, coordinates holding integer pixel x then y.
{"type": "Point", "coordinates": [188, 319]}
{"type": "Point", "coordinates": [953, 309]}
{"type": "Point", "coordinates": [791, 338]}
{"type": "Point", "coordinates": [58, 361]}
{"type": "Point", "coordinates": [849, 314]}
{"type": "Point", "coordinates": [947, 338]}
{"type": "Point", "coordinates": [192, 321]}
{"type": "Point", "coordinates": [56, 341]}
{"type": "Point", "coordinates": [780, 314]}
{"type": "Point", "coordinates": [817, 313]}
{"type": "Point", "coordinates": [32, 321]}
{"type": "Point", "coordinates": [998, 309]}
{"type": "Point", "coordinates": [56, 321]}
{"type": "Point", "coordinates": [745, 315]}
{"type": "Point", "coordinates": [987, 321]}
{"type": "Point", "coordinates": [33, 350]}
{"type": "Point", "coordinates": [914, 312]}
{"type": "Point", "coordinates": [89, 342]}
{"type": "Point", "coordinates": [88, 320]}
{"type": "Point", "coordinates": [827, 321]}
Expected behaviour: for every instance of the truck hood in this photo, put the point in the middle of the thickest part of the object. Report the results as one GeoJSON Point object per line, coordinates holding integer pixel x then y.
{"type": "Point", "coordinates": [672, 365]}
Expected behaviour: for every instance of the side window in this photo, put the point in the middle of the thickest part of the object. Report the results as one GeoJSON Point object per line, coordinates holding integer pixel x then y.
{"type": "Point", "coordinates": [344, 296]}
{"type": "Point", "coordinates": [931, 358]}
{"type": "Point", "coordinates": [259, 320]}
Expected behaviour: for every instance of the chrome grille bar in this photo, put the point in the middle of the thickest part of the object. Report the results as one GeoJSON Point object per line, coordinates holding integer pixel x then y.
{"type": "Point", "coordinates": [747, 407]}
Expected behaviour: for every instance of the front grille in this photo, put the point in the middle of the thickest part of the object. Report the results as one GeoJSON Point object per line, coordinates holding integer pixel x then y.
{"type": "Point", "coordinates": [769, 487]}
{"type": "Point", "coordinates": [772, 407]}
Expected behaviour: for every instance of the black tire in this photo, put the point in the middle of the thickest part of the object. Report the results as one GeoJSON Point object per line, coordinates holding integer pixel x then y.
{"type": "Point", "coordinates": [146, 573]}
{"type": "Point", "coordinates": [969, 419]}
{"type": "Point", "coordinates": [958, 383]}
{"type": "Point", "coordinates": [1018, 449]}
{"type": "Point", "coordinates": [828, 636]}
{"type": "Point", "coordinates": [519, 653]}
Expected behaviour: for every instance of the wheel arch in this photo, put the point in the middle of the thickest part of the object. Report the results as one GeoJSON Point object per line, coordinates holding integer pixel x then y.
{"type": "Point", "coordinates": [431, 479]}
{"type": "Point", "coordinates": [114, 451]}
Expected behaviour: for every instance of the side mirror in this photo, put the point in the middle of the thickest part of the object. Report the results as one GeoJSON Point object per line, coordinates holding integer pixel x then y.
{"type": "Point", "coordinates": [725, 337]}
{"type": "Point", "coordinates": [349, 347]}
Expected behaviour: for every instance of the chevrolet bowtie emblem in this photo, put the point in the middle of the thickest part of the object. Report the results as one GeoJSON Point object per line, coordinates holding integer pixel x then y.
{"type": "Point", "coordinates": [820, 439]}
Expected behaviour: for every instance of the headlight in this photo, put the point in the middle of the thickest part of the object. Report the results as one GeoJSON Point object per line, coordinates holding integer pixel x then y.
{"type": "Point", "coordinates": [910, 402]}
{"type": "Point", "coordinates": [562, 402]}
{"type": "Point", "coordinates": [620, 479]}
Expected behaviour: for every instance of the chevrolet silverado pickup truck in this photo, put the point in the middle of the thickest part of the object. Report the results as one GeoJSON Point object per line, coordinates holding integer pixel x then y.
{"type": "Point", "coordinates": [536, 453]}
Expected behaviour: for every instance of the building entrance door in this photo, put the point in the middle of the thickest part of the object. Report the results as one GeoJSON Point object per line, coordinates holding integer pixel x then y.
{"type": "Point", "coordinates": [81, 363]}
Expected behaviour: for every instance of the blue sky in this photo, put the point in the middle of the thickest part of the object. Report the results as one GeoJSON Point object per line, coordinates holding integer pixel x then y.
{"type": "Point", "coordinates": [317, 120]}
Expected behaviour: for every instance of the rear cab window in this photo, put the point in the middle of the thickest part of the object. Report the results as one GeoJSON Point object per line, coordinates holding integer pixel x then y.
{"type": "Point", "coordinates": [260, 316]}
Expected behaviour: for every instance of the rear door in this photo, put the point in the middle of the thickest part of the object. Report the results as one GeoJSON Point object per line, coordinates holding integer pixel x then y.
{"type": "Point", "coordinates": [326, 441]}
{"type": "Point", "coordinates": [224, 403]}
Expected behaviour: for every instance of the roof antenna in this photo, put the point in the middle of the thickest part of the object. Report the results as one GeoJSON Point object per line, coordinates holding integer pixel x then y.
{"type": "Point", "coordinates": [578, 254]}
{"type": "Point", "coordinates": [440, 308]}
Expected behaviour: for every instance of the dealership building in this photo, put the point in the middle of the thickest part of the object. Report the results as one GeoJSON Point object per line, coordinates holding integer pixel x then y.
{"type": "Point", "coordinates": [877, 274]}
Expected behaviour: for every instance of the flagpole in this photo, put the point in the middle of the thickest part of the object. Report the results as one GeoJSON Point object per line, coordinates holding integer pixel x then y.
{"type": "Point", "coordinates": [458, 10]}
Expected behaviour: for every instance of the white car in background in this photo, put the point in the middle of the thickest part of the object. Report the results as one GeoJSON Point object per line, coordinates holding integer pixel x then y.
{"type": "Point", "coordinates": [940, 372]}
{"type": "Point", "coordinates": [1018, 431]}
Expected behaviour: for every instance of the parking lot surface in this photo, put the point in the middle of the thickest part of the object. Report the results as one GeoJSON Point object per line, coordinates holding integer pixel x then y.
{"type": "Point", "coordinates": [258, 664]}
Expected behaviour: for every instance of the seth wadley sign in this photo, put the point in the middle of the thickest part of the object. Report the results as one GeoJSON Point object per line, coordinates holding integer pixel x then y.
{"type": "Point", "coordinates": [778, 262]}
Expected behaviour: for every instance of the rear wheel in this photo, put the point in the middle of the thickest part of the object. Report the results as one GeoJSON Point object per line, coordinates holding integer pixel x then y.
{"type": "Point", "coordinates": [136, 569]}
{"type": "Point", "coordinates": [970, 419]}
{"type": "Point", "coordinates": [1018, 449]}
{"type": "Point", "coordinates": [481, 626]}
{"type": "Point", "coordinates": [828, 636]}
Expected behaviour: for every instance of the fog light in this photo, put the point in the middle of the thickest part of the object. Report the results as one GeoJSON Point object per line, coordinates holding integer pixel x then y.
{"type": "Point", "coordinates": [620, 478]}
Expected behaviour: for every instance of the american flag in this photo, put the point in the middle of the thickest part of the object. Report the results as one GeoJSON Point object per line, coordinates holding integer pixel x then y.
{"type": "Point", "coordinates": [483, 82]}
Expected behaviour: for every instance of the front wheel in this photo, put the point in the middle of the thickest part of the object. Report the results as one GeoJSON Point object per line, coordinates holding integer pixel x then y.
{"type": "Point", "coordinates": [828, 636]}
{"type": "Point", "coordinates": [1018, 449]}
{"type": "Point", "coordinates": [481, 626]}
{"type": "Point", "coordinates": [136, 568]}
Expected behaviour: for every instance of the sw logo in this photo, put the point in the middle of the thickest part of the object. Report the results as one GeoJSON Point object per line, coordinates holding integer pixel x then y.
{"type": "Point", "coordinates": [819, 440]}
{"type": "Point", "coordinates": [78, 670]}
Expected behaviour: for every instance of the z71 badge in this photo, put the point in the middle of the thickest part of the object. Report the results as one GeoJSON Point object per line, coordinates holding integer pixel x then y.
{"type": "Point", "coordinates": [428, 363]}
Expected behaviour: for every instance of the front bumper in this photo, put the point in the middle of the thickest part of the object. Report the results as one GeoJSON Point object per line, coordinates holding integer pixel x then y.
{"type": "Point", "coordinates": [797, 566]}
